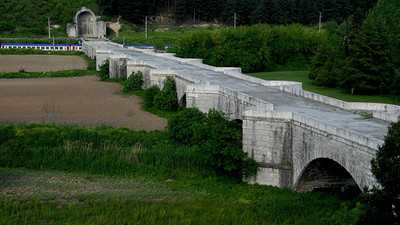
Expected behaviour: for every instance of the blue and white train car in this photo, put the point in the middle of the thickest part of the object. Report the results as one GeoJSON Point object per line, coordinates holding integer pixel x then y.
{"type": "Point", "coordinates": [55, 47]}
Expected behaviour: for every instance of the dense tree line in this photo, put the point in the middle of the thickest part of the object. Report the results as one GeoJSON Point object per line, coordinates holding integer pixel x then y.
{"type": "Point", "coordinates": [248, 11]}
{"type": "Point", "coordinates": [362, 54]}
{"type": "Point", "coordinates": [256, 48]}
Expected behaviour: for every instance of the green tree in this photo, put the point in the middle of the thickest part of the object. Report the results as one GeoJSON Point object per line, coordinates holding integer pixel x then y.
{"type": "Point", "coordinates": [382, 204]}
{"type": "Point", "coordinates": [387, 12]}
{"type": "Point", "coordinates": [395, 87]}
{"type": "Point", "coordinates": [369, 67]}
{"type": "Point", "coordinates": [324, 65]}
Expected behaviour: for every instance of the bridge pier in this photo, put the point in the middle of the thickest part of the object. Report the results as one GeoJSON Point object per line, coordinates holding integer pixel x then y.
{"type": "Point", "coordinates": [118, 66]}
{"type": "Point", "coordinates": [101, 57]}
{"type": "Point", "coordinates": [267, 138]}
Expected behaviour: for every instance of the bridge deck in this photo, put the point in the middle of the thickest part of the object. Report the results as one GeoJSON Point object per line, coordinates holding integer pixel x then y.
{"type": "Point", "coordinates": [282, 101]}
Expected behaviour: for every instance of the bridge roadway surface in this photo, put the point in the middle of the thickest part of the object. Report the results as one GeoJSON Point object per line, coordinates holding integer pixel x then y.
{"type": "Point", "coordinates": [281, 100]}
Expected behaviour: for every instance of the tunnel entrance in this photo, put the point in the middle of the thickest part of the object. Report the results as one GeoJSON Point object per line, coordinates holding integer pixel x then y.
{"type": "Point", "coordinates": [326, 175]}
{"type": "Point", "coordinates": [86, 24]}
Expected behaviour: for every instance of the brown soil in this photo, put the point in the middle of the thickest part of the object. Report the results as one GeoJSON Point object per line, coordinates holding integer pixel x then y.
{"type": "Point", "coordinates": [76, 100]}
{"type": "Point", "coordinates": [41, 63]}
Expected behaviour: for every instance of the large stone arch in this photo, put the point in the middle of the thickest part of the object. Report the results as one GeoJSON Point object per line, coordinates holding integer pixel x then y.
{"type": "Point", "coordinates": [326, 174]}
{"type": "Point", "coordinates": [312, 144]}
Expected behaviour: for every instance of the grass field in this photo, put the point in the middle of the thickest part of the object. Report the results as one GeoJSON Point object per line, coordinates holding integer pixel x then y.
{"type": "Point", "coordinates": [37, 197]}
{"type": "Point", "coordinates": [309, 85]}
{"type": "Point", "coordinates": [81, 175]}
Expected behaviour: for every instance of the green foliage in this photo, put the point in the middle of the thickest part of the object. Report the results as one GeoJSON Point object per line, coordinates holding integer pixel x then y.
{"type": "Point", "coordinates": [255, 48]}
{"type": "Point", "coordinates": [167, 98]}
{"type": "Point", "coordinates": [383, 204]}
{"type": "Point", "coordinates": [149, 95]}
{"type": "Point", "coordinates": [100, 150]}
{"type": "Point", "coordinates": [105, 70]}
{"type": "Point", "coordinates": [144, 200]}
{"type": "Point", "coordinates": [64, 73]}
{"type": "Point", "coordinates": [394, 88]}
{"type": "Point", "coordinates": [369, 67]}
{"type": "Point", "coordinates": [387, 12]}
{"type": "Point", "coordinates": [218, 139]}
{"type": "Point", "coordinates": [135, 81]}
{"type": "Point", "coordinates": [325, 65]}
{"type": "Point", "coordinates": [27, 18]}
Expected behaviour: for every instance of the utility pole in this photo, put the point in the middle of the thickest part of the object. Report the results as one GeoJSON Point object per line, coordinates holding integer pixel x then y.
{"type": "Point", "coordinates": [145, 23]}
{"type": "Point", "coordinates": [48, 21]}
{"type": "Point", "coordinates": [234, 20]}
{"type": "Point", "coordinates": [54, 44]}
{"type": "Point", "coordinates": [320, 18]}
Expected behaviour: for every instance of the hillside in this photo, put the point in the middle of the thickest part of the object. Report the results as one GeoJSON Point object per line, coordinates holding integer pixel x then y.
{"type": "Point", "coordinates": [29, 17]}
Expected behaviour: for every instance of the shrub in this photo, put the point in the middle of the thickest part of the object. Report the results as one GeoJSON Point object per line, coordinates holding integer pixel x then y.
{"type": "Point", "coordinates": [105, 70]}
{"type": "Point", "coordinates": [149, 95]}
{"type": "Point", "coordinates": [135, 81]}
{"type": "Point", "coordinates": [383, 204]}
{"type": "Point", "coordinates": [218, 139]}
{"type": "Point", "coordinates": [167, 98]}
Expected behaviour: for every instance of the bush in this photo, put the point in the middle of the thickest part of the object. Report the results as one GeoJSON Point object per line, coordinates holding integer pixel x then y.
{"type": "Point", "coordinates": [383, 204]}
{"type": "Point", "coordinates": [167, 98]}
{"type": "Point", "coordinates": [218, 139]}
{"type": "Point", "coordinates": [135, 81]}
{"type": "Point", "coordinates": [149, 95]}
{"type": "Point", "coordinates": [105, 70]}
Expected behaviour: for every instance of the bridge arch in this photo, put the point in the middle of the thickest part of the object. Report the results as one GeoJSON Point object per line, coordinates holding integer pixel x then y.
{"type": "Point", "coordinates": [324, 174]}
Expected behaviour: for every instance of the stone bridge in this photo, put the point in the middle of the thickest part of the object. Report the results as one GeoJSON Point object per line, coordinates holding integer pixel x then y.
{"type": "Point", "coordinates": [301, 140]}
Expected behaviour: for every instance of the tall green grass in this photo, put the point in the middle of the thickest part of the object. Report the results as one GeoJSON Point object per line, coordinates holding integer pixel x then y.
{"type": "Point", "coordinates": [101, 150]}
{"type": "Point", "coordinates": [193, 193]}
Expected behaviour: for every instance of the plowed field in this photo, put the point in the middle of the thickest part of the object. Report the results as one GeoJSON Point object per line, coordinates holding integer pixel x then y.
{"type": "Point", "coordinates": [74, 100]}
{"type": "Point", "coordinates": [41, 63]}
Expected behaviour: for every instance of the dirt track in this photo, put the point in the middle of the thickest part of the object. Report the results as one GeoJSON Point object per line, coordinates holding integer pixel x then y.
{"type": "Point", "coordinates": [77, 100]}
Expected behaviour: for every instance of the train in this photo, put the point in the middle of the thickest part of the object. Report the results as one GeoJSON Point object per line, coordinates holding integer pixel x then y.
{"type": "Point", "coordinates": [49, 47]}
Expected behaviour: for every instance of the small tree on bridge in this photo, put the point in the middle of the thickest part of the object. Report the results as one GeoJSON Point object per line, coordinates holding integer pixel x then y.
{"type": "Point", "coordinates": [383, 204]}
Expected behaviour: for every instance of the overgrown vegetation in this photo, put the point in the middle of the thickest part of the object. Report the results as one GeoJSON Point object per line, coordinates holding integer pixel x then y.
{"type": "Point", "coordinates": [191, 199]}
{"type": "Point", "coordinates": [104, 72]}
{"type": "Point", "coordinates": [255, 48]}
{"type": "Point", "coordinates": [383, 203]}
{"type": "Point", "coordinates": [218, 139]}
{"type": "Point", "coordinates": [164, 99]}
{"type": "Point", "coordinates": [134, 81]}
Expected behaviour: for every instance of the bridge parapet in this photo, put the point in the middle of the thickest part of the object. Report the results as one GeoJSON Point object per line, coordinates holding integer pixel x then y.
{"type": "Point", "coordinates": [206, 96]}
{"type": "Point", "coordinates": [387, 112]}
